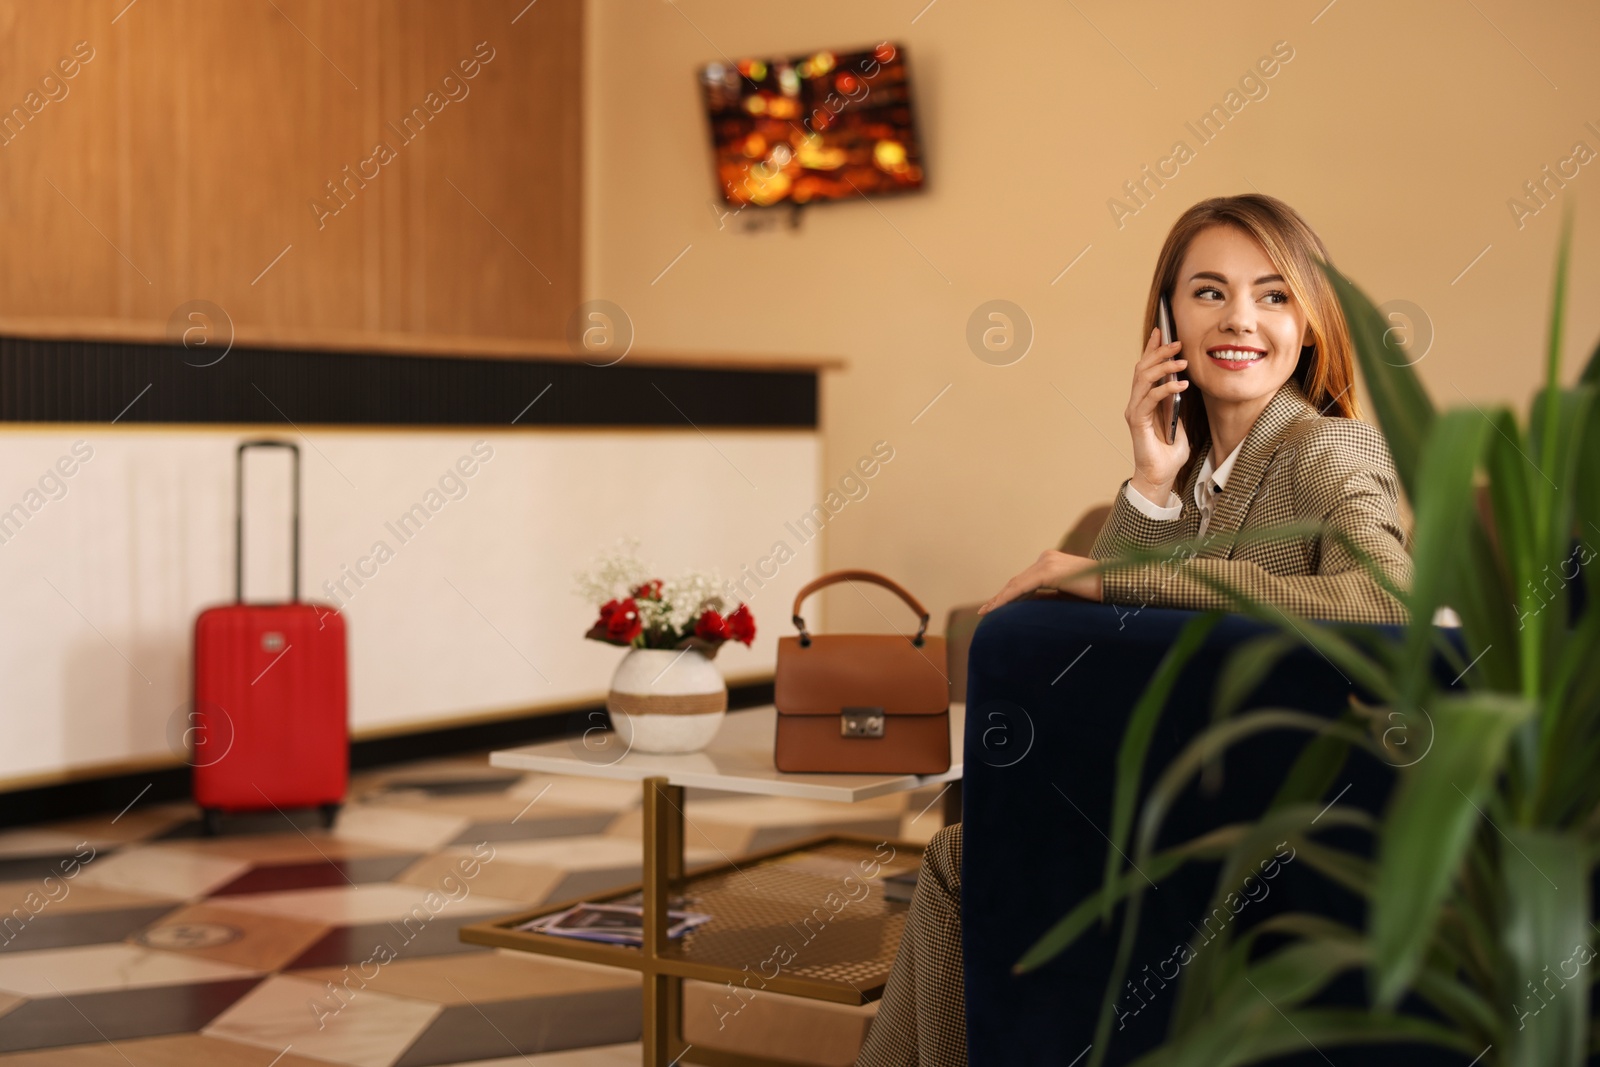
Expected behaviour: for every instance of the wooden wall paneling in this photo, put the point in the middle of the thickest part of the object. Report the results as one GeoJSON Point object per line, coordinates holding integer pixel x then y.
{"type": "Point", "coordinates": [186, 153]}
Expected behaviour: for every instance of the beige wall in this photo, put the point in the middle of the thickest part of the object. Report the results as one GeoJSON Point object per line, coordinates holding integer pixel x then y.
{"type": "Point", "coordinates": [1400, 131]}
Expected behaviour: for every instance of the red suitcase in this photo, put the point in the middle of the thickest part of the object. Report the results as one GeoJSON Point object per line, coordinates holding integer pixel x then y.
{"type": "Point", "coordinates": [270, 719]}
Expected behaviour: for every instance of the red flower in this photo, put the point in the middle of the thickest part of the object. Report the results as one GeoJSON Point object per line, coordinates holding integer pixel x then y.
{"type": "Point", "coordinates": [621, 620]}
{"type": "Point", "coordinates": [711, 627]}
{"type": "Point", "coordinates": [742, 625]}
{"type": "Point", "coordinates": [650, 590]}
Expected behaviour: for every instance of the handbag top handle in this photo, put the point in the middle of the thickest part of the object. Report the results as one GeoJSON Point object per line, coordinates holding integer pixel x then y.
{"type": "Point", "coordinates": [858, 576]}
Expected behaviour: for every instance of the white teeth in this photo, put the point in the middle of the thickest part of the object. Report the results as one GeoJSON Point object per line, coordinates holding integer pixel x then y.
{"type": "Point", "coordinates": [1233, 355]}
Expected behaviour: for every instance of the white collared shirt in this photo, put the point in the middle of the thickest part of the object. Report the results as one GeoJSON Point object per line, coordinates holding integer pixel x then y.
{"type": "Point", "coordinates": [1206, 487]}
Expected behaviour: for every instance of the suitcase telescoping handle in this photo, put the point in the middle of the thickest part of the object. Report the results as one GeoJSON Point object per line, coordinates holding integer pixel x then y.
{"type": "Point", "coordinates": [238, 519]}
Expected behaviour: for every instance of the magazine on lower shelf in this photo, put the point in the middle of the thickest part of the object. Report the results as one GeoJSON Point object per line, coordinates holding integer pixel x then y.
{"type": "Point", "coordinates": [616, 924]}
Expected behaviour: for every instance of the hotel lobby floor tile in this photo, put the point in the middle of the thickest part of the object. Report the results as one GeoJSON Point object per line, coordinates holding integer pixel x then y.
{"type": "Point", "coordinates": [167, 930]}
{"type": "Point", "coordinates": [439, 778]}
{"type": "Point", "coordinates": [548, 823]}
{"type": "Point", "coordinates": [276, 877]}
{"type": "Point", "coordinates": [496, 877]}
{"type": "Point", "coordinates": [246, 823]}
{"type": "Point", "coordinates": [477, 807]}
{"type": "Point", "coordinates": [586, 885]}
{"type": "Point", "coordinates": [69, 895]}
{"type": "Point", "coordinates": [369, 1029]}
{"type": "Point", "coordinates": [217, 932]}
{"type": "Point", "coordinates": [125, 827]}
{"type": "Point", "coordinates": [481, 977]}
{"type": "Point", "coordinates": [697, 834]}
{"type": "Point", "coordinates": [602, 794]}
{"type": "Point", "coordinates": [162, 870]}
{"type": "Point", "coordinates": [53, 972]}
{"type": "Point", "coordinates": [64, 929]}
{"type": "Point", "coordinates": [920, 828]}
{"type": "Point", "coordinates": [171, 1050]}
{"type": "Point", "coordinates": [365, 944]}
{"type": "Point", "coordinates": [779, 836]}
{"type": "Point", "coordinates": [784, 811]}
{"type": "Point", "coordinates": [605, 1056]}
{"type": "Point", "coordinates": [313, 846]}
{"type": "Point", "coordinates": [454, 782]}
{"type": "Point", "coordinates": [397, 828]}
{"type": "Point", "coordinates": [41, 841]}
{"type": "Point", "coordinates": [86, 1018]}
{"type": "Point", "coordinates": [349, 904]}
{"type": "Point", "coordinates": [588, 852]}
{"type": "Point", "coordinates": [37, 866]}
{"type": "Point", "coordinates": [478, 1031]}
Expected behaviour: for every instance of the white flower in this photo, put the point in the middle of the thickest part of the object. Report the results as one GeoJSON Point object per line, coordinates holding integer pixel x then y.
{"type": "Point", "coordinates": [687, 597]}
{"type": "Point", "coordinates": [684, 599]}
{"type": "Point", "coordinates": [614, 575]}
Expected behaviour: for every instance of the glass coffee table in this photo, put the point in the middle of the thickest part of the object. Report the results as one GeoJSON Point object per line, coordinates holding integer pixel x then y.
{"type": "Point", "coordinates": [809, 919]}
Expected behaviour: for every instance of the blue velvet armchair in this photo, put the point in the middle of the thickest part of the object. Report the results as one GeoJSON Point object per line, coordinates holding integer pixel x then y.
{"type": "Point", "coordinates": [1049, 685]}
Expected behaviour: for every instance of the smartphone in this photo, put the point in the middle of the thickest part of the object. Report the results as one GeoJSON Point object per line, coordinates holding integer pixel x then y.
{"type": "Point", "coordinates": [1169, 335]}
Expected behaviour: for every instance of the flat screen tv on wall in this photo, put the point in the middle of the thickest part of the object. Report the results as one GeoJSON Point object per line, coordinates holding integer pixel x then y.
{"type": "Point", "coordinates": [823, 126]}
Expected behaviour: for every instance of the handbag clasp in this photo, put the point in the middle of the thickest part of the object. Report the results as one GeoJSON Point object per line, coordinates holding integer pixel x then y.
{"type": "Point", "coordinates": [862, 722]}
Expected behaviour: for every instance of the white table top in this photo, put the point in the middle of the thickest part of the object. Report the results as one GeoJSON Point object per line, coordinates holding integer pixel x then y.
{"type": "Point", "coordinates": [738, 760]}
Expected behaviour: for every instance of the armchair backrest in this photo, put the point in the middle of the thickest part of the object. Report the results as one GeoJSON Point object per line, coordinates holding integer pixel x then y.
{"type": "Point", "coordinates": [1050, 688]}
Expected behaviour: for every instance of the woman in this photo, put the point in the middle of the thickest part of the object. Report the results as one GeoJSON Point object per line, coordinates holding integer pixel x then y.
{"type": "Point", "coordinates": [1269, 434]}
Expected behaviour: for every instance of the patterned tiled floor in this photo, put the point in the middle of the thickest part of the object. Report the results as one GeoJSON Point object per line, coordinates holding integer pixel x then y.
{"type": "Point", "coordinates": [132, 940]}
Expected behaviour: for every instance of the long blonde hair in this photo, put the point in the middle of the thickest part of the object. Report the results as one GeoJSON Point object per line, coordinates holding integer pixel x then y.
{"type": "Point", "coordinates": [1326, 372]}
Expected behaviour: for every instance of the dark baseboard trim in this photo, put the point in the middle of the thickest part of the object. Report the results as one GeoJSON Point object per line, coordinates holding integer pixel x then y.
{"type": "Point", "coordinates": [117, 792]}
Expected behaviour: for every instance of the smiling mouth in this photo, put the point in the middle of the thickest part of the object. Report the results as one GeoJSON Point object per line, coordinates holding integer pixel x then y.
{"type": "Point", "coordinates": [1235, 358]}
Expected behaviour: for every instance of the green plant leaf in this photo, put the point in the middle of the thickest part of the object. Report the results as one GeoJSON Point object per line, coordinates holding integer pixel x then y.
{"type": "Point", "coordinates": [1339, 867]}
{"type": "Point", "coordinates": [1572, 789]}
{"type": "Point", "coordinates": [1547, 936]}
{"type": "Point", "coordinates": [1209, 744]}
{"type": "Point", "coordinates": [1275, 1036]}
{"type": "Point", "coordinates": [1439, 985]}
{"type": "Point", "coordinates": [1558, 305]}
{"type": "Point", "coordinates": [1315, 769]}
{"type": "Point", "coordinates": [1429, 826]}
{"type": "Point", "coordinates": [1511, 496]}
{"type": "Point", "coordinates": [1444, 505]}
{"type": "Point", "coordinates": [1591, 370]}
{"type": "Point", "coordinates": [1208, 971]}
{"type": "Point", "coordinates": [1212, 742]}
{"type": "Point", "coordinates": [1245, 669]}
{"type": "Point", "coordinates": [1276, 984]}
{"type": "Point", "coordinates": [1136, 741]}
{"type": "Point", "coordinates": [1346, 656]}
{"type": "Point", "coordinates": [1404, 411]}
{"type": "Point", "coordinates": [1072, 925]}
{"type": "Point", "coordinates": [1259, 856]}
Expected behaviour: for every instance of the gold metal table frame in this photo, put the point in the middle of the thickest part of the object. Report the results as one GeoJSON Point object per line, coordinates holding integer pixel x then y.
{"type": "Point", "coordinates": [757, 901]}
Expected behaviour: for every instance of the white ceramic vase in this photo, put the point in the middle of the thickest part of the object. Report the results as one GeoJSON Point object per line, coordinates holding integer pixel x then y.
{"type": "Point", "coordinates": [667, 700]}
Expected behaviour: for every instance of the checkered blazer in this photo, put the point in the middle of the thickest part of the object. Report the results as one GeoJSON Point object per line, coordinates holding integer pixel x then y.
{"type": "Point", "coordinates": [1295, 465]}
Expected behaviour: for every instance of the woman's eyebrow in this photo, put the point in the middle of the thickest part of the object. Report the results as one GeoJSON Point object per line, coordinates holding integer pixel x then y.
{"type": "Point", "coordinates": [1214, 276]}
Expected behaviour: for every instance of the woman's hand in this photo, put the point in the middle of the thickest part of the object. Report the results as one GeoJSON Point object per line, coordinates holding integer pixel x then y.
{"type": "Point", "coordinates": [1052, 570]}
{"type": "Point", "coordinates": [1155, 462]}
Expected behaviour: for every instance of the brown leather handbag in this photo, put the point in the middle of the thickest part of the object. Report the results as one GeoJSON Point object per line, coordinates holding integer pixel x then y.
{"type": "Point", "coordinates": [862, 703]}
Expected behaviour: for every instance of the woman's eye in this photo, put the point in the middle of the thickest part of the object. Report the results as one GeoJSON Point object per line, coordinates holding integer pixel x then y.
{"type": "Point", "coordinates": [1207, 292]}
{"type": "Point", "coordinates": [1277, 297]}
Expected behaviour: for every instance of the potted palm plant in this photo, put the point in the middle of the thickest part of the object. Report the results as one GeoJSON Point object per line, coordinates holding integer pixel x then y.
{"type": "Point", "coordinates": [1478, 889]}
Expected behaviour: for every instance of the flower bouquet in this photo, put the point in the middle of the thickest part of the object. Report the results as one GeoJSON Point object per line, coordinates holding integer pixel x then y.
{"type": "Point", "coordinates": [666, 695]}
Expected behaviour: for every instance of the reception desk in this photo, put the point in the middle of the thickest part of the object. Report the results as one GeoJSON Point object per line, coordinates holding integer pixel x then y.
{"type": "Point", "coordinates": [448, 500]}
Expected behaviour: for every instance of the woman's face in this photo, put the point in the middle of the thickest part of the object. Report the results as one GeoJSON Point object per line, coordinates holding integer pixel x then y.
{"type": "Point", "coordinates": [1240, 326]}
